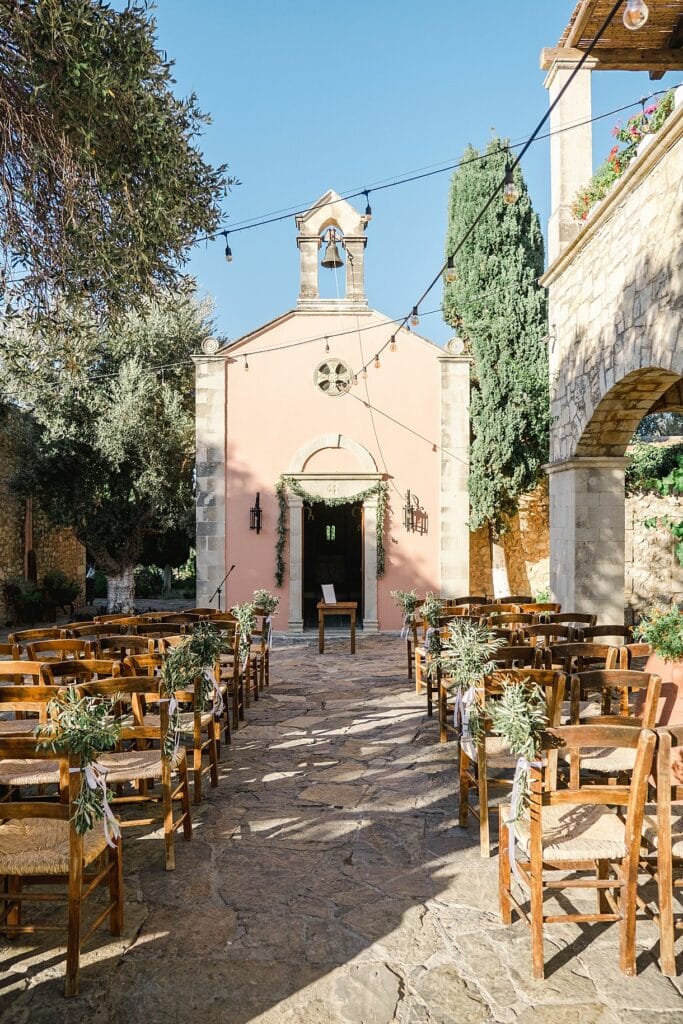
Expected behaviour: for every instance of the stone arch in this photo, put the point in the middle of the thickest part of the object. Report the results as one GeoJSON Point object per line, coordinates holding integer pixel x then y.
{"type": "Point", "coordinates": [366, 462]}
{"type": "Point", "coordinates": [616, 416]}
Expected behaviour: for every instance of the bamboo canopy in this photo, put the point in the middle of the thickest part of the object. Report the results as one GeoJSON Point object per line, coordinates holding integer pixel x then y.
{"type": "Point", "coordinates": [657, 47]}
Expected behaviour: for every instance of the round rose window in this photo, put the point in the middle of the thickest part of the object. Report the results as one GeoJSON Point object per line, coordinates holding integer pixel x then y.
{"type": "Point", "coordinates": [333, 377]}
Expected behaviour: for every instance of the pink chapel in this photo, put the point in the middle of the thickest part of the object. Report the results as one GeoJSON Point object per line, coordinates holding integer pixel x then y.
{"type": "Point", "coordinates": [360, 480]}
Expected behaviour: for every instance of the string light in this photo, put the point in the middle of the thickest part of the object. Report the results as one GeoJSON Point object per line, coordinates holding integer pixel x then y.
{"type": "Point", "coordinates": [450, 274]}
{"type": "Point", "coordinates": [228, 250]}
{"type": "Point", "coordinates": [377, 362]}
{"type": "Point", "coordinates": [636, 14]}
{"type": "Point", "coordinates": [327, 344]}
{"type": "Point", "coordinates": [392, 344]}
{"type": "Point", "coordinates": [246, 364]}
{"type": "Point", "coordinates": [368, 209]}
{"type": "Point", "coordinates": [434, 447]}
{"type": "Point", "coordinates": [414, 317]}
{"type": "Point", "coordinates": [354, 380]}
{"type": "Point", "coordinates": [364, 373]}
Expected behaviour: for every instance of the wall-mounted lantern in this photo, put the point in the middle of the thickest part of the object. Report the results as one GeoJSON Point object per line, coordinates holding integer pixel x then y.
{"type": "Point", "coordinates": [415, 519]}
{"type": "Point", "coordinates": [255, 514]}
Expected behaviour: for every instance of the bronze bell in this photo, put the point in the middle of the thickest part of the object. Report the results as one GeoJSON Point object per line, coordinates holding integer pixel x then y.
{"type": "Point", "coordinates": [331, 259]}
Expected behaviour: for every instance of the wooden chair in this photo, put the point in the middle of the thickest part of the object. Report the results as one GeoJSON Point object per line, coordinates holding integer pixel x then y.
{"type": "Point", "coordinates": [261, 640]}
{"type": "Point", "coordinates": [663, 839]}
{"type": "Point", "coordinates": [580, 657]}
{"type": "Point", "coordinates": [231, 676]}
{"type": "Point", "coordinates": [542, 608]}
{"type": "Point", "coordinates": [510, 618]}
{"type": "Point", "coordinates": [498, 607]}
{"type": "Point", "coordinates": [573, 830]}
{"type": "Point", "coordinates": [152, 665]}
{"type": "Point", "coordinates": [121, 646]}
{"type": "Point", "coordinates": [493, 753]}
{"type": "Point", "coordinates": [619, 633]}
{"type": "Point", "coordinates": [469, 599]}
{"type": "Point", "coordinates": [40, 846]}
{"type": "Point", "coordinates": [516, 599]}
{"type": "Point", "coordinates": [25, 674]}
{"type": "Point", "coordinates": [10, 651]}
{"type": "Point", "coordinates": [64, 649]}
{"type": "Point", "coordinates": [140, 764]}
{"type": "Point", "coordinates": [24, 636]}
{"type": "Point", "coordinates": [109, 617]}
{"type": "Point", "coordinates": [143, 664]}
{"type": "Point", "coordinates": [22, 702]}
{"type": "Point", "coordinates": [199, 612]}
{"type": "Point", "coordinates": [634, 655]}
{"type": "Point", "coordinates": [572, 618]}
{"type": "Point", "coordinates": [64, 673]}
{"type": "Point", "coordinates": [92, 630]}
{"type": "Point", "coordinates": [540, 634]}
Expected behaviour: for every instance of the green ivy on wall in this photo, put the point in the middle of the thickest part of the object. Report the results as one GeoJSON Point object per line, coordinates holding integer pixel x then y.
{"type": "Point", "coordinates": [380, 490]}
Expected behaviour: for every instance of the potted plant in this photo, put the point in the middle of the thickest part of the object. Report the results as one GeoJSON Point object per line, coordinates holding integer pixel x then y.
{"type": "Point", "coordinates": [662, 629]}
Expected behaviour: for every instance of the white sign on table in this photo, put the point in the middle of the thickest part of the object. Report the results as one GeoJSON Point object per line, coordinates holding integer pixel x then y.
{"type": "Point", "coordinates": [329, 596]}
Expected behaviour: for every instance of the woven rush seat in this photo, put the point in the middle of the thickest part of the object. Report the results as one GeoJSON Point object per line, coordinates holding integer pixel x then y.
{"type": "Point", "coordinates": [19, 727]}
{"type": "Point", "coordinates": [40, 846]}
{"type": "Point", "coordinates": [131, 764]}
{"type": "Point", "coordinates": [587, 709]}
{"type": "Point", "coordinates": [571, 832]}
{"type": "Point", "coordinates": [498, 753]}
{"type": "Point", "coordinates": [651, 835]}
{"type": "Point", "coordinates": [28, 772]}
{"type": "Point", "coordinates": [607, 760]}
{"type": "Point", "coordinates": [185, 720]}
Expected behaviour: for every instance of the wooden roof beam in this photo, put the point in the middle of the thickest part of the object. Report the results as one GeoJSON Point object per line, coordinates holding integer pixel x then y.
{"type": "Point", "coordinates": [624, 59]}
{"type": "Point", "coordinates": [675, 43]}
{"type": "Point", "coordinates": [583, 16]}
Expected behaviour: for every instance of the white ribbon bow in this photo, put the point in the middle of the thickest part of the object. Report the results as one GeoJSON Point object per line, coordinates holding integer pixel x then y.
{"type": "Point", "coordinates": [406, 627]}
{"type": "Point", "coordinates": [269, 632]}
{"type": "Point", "coordinates": [461, 714]}
{"type": "Point", "coordinates": [95, 777]}
{"type": "Point", "coordinates": [522, 768]}
{"type": "Point", "coordinates": [210, 677]}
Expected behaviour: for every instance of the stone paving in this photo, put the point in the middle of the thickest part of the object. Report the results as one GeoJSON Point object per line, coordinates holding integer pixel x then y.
{"type": "Point", "coordinates": [328, 883]}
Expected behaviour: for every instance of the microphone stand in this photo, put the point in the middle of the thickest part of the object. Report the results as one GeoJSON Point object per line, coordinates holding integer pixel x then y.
{"type": "Point", "coordinates": [219, 589]}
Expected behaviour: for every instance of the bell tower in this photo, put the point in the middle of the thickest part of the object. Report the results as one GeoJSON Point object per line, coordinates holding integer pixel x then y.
{"type": "Point", "coordinates": [331, 221]}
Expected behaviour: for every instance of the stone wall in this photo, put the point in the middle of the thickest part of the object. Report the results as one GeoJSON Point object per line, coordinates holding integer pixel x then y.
{"type": "Point", "coordinates": [653, 573]}
{"type": "Point", "coordinates": [526, 544]}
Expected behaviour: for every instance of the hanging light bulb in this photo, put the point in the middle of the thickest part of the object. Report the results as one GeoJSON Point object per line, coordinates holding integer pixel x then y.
{"type": "Point", "coordinates": [228, 250]}
{"type": "Point", "coordinates": [636, 14]}
{"type": "Point", "coordinates": [509, 188]}
{"type": "Point", "coordinates": [327, 344]}
{"type": "Point", "coordinates": [450, 270]}
{"type": "Point", "coordinates": [368, 208]}
{"type": "Point", "coordinates": [392, 344]}
{"type": "Point", "coordinates": [414, 318]}
{"type": "Point", "coordinates": [377, 362]}
{"type": "Point", "coordinates": [434, 448]}
{"type": "Point", "coordinates": [364, 373]}
{"type": "Point", "coordinates": [354, 380]}
{"type": "Point", "coordinates": [246, 364]}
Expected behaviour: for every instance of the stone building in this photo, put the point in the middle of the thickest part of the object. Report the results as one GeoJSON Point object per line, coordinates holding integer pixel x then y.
{"type": "Point", "coordinates": [302, 401]}
{"type": "Point", "coordinates": [616, 307]}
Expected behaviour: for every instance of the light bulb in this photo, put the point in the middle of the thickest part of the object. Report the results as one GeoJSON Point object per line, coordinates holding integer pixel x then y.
{"type": "Point", "coordinates": [433, 447]}
{"type": "Point", "coordinates": [636, 14]}
{"type": "Point", "coordinates": [327, 344]}
{"type": "Point", "coordinates": [414, 318]}
{"type": "Point", "coordinates": [228, 250]}
{"type": "Point", "coordinates": [392, 344]}
{"type": "Point", "coordinates": [368, 208]}
{"type": "Point", "coordinates": [377, 362]}
{"type": "Point", "coordinates": [450, 271]}
{"type": "Point", "coordinates": [509, 188]}
{"type": "Point", "coordinates": [246, 364]}
{"type": "Point", "coordinates": [355, 379]}
{"type": "Point", "coordinates": [364, 373]}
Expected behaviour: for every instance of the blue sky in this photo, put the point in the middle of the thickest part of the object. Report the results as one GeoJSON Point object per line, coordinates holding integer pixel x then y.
{"type": "Point", "coordinates": [306, 96]}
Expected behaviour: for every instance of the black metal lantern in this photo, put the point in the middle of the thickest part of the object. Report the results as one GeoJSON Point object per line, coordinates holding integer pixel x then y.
{"type": "Point", "coordinates": [255, 514]}
{"type": "Point", "coordinates": [415, 519]}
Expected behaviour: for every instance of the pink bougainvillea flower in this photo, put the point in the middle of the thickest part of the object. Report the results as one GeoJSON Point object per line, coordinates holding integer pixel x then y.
{"type": "Point", "coordinates": [651, 109]}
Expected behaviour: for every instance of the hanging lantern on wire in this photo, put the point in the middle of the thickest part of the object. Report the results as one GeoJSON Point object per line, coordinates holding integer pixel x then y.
{"type": "Point", "coordinates": [246, 364]}
{"type": "Point", "coordinates": [327, 344]}
{"type": "Point", "coordinates": [377, 362]}
{"type": "Point", "coordinates": [228, 250]}
{"type": "Point", "coordinates": [509, 188]}
{"type": "Point", "coordinates": [392, 344]}
{"type": "Point", "coordinates": [367, 216]}
{"type": "Point", "coordinates": [414, 317]}
{"type": "Point", "coordinates": [636, 14]}
{"type": "Point", "coordinates": [364, 373]}
{"type": "Point", "coordinates": [450, 274]}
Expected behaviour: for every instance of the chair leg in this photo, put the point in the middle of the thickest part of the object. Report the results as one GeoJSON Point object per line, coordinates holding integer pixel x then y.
{"type": "Point", "coordinates": [443, 715]}
{"type": "Point", "coordinates": [504, 901]}
{"type": "Point", "coordinates": [665, 904]}
{"type": "Point", "coordinates": [185, 798]}
{"type": "Point", "coordinates": [197, 771]}
{"type": "Point", "coordinates": [484, 824]}
{"type": "Point", "coordinates": [213, 754]}
{"type": "Point", "coordinates": [536, 916]}
{"type": "Point", "coordinates": [167, 804]}
{"type": "Point", "coordinates": [430, 694]}
{"type": "Point", "coordinates": [116, 889]}
{"type": "Point", "coordinates": [73, 939]}
{"type": "Point", "coordinates": [14, 912]}
{"type": "Point", "coordinates": [409, 649]}
{"type": "Point", "coordinates": [418, 673]}
{"type": "Point", "coordinates": [464, 788]}
{"type": "Point", "coordinates": [601, 873]}
{"type": "Point", "coordinates": [627, 925]}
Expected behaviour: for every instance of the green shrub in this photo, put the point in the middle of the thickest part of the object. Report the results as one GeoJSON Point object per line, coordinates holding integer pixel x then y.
{"type": "Point", "coordinates": [60, 589]}
{"type": "Point", "coordinates": [663, 630]}
{"type": "Point", "coordinates": [24, 601]}
{"type": "Point", "coordinates": [149, 581]}
{"type": "Point", "coordinates": [655, 468]}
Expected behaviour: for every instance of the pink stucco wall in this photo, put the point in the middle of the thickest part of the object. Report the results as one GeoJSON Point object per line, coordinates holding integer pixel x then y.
{"type": "Point", "coordinates": [274, 409]}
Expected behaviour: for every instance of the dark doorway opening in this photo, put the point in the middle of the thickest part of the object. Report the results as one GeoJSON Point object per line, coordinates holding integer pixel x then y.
{"type": "Point", "coordinates": [333, 553]}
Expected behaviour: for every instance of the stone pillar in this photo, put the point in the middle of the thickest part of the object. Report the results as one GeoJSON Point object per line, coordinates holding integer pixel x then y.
{"type": "Point", "coordinates": [308, 266]}
{"type": "Point", "coordinates": [370, 622]}
{"type": "Point", "coordinates": [355, 267]}
{"type": "Point", "coordinates": [296, 563]}
{"type": "Point", "coordinates": [210, 420]}
{"type": "Point", "coordinates": [455, 464]}
{"type": "Point", "coordinates": [571, 151]}
{"type": "Point", "coordinates": [587, 534]}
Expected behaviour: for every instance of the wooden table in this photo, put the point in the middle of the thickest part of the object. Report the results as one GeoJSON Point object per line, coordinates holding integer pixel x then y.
{"type": "Point", "coordinates": [340, 608]}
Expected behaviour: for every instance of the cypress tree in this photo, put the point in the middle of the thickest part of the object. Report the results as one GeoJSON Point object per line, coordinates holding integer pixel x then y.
{"type": "Point", "coordinates": [500, 311]}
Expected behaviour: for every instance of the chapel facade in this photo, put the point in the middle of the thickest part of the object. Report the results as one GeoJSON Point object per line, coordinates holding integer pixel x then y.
{"type": "Point", "coordinates": [317, 463]}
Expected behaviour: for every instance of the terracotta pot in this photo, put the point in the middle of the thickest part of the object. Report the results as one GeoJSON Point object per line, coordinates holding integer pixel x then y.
{"type": "Point", "coordinates": [670, 710]}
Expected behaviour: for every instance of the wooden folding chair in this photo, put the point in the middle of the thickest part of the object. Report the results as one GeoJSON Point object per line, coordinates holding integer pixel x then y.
{"type": "Point", "coordinates": [39, 846]}
{"type": "Point", "coordinates": [574, 831]}
{"type": "Point", "coordinates": [492, 752]}
{"type": "Point", "coordinates": [136, 764]}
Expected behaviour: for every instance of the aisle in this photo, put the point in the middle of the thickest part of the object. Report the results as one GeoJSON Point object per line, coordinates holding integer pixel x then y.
{"type": "Point", "coordinates": [328, 883]}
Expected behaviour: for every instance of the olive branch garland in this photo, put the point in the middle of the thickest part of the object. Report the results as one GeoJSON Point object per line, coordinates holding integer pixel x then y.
{"type": "Point", "coordinates": [185, 666]}
{"type": "Point", "coordinates": [245, 614]}
{"type": "Point", "coordinates": [380, 489]}
{"type": "Point", "coordinates": [83, 726]}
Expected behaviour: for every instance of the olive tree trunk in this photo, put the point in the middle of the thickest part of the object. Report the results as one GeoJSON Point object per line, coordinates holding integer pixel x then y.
{"type": "Point", "coordinates": [121, 591]}
{"type": "Point", "coordinates": [499, 569]}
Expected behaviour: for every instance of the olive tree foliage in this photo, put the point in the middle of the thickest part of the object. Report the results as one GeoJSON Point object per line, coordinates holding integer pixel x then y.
{"type": "Point", "coordinates": [109, 446]}
{"type": "Point", "coordinates": [102, 187]}
{"type": "Point", "coordinates": [501, 312]}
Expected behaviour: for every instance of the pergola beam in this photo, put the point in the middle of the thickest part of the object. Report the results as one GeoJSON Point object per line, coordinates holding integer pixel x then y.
{"type": "Point", "coordinates": [583, 16]}
{"type": "Point", "coordinates": [623, 59]}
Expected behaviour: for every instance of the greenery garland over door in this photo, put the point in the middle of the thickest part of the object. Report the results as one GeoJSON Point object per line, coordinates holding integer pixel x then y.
{"type": "Point", "coordinates": [380, 490]}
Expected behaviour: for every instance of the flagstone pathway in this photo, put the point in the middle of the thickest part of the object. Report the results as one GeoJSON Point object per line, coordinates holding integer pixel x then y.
{"type": "Point", "coordinates": [328, 883]}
